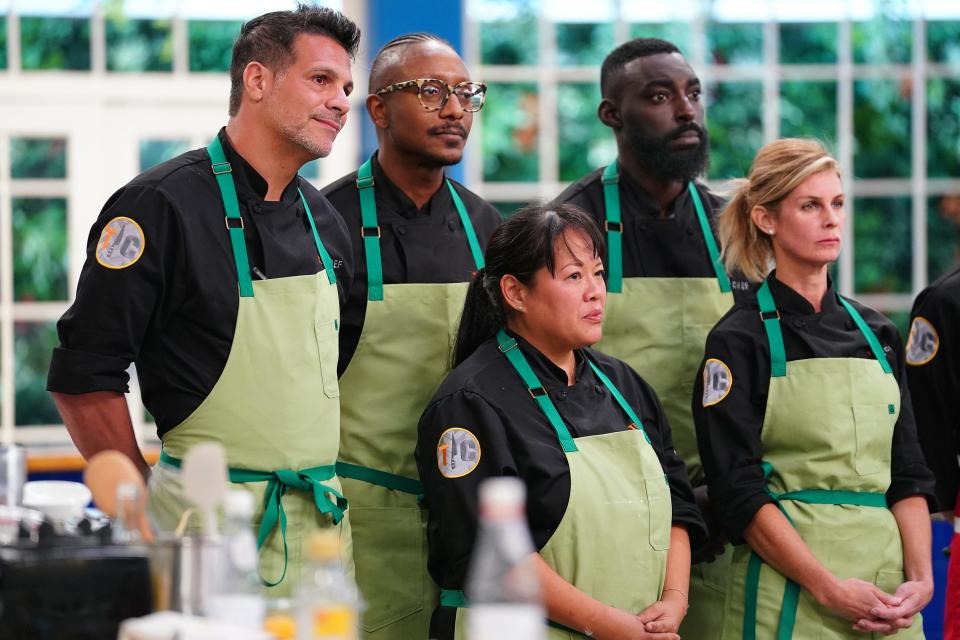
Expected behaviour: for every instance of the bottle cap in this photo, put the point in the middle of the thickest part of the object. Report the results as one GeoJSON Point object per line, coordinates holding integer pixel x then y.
{"type": "Point", "coordinates": [503, 491]}
{"type": "Point", "coordinates": [239, 503]}
{"type": "Point", "coordinates": [323, 545]}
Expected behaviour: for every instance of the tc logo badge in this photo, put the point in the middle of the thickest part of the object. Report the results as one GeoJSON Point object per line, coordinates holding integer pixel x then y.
{"type": "Point", "coordinates": [121, 243]}
{"type": "Point", "coordinates": [923, 343]}
{"type": "Point", "coordinates": [458, 452]}
{"type": "Point", "coordinates": [717, 381]}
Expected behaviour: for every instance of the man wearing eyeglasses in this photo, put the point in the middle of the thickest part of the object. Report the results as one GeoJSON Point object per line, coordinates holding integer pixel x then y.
{"type": "Point", "coordinates": [418, 238]}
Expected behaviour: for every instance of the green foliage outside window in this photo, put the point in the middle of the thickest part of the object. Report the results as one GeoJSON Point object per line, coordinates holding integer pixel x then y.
{"type": "Point", "coordinates": [139, 45]}
{"type": "Point", "coordinates": [882, 41]}
{"type": "Point", "coordinates": [507, 209]}
{"type": "Point", "coordinates": [676, 32]}
{"type": "Point", "coordinates": [735, 44]}
{"type": "Point", "coordinates": [38, 158]}
{"type": "Point", "coordinates": [943, 234]}
{"type": "Point", "coordinates": [882, 241]}
{"type": "Point", "coordinates": [33, 345]}
{"type": "Point", "coordinates": [584, 142]}
{"type": "Point", "coordinates": [509, 41]}
{"type": "Point", "coordinates": [55, 43]}
{"type": "Point", "coordinates": [901, 320]}
{"type": "Point", "coordinates": [510, 133]}
{"type": "Point", "coordinates": [39, 249]}
{"type": "Point", "coordinates": [735, 125]}
{"type": "Point", "coordinates": [153, 152]}
{"type": "Point", "coordinates": [808, 43]}
{"type": "Point", "coordinates": [211, 44]}
{"type": "Point", "coordinates": [881, 127]}
{"type": "Point", "coordinates": [3, 42]}
{"type": "Point", "coordinates": [809, 109]}
{"type": "Point", "coordinates": [943, 128]}
{"type": "Point", "coordinates": [583, 44]}
{"type": "Point", "coordinates": [943, 42]}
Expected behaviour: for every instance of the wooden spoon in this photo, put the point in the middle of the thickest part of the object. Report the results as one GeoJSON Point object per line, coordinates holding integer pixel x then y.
{"type": "Point", "coordinates": [104, 472]}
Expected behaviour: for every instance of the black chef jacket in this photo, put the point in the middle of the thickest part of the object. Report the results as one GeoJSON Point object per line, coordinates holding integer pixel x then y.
{"type": "Point", "coordinates": [728, 432]}
{"type": "Point", "coordinates": [486, 396]}
{"type": "Point", "coordinates": [655, 245]}
{"type": "Point", "coordinates": [935, 384]}
{"type": "Point", "coordinates": [173, 311]}
{"type": "Point", "coordinates": [416, 245]}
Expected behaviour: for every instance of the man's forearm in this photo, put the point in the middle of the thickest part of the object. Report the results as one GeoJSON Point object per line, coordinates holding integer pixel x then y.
{"type": "Point", "coordinates": [98, 421]}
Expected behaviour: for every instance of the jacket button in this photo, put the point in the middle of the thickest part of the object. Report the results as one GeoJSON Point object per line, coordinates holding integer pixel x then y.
{"type": "Point", "coordinates": [451, 224]}
{"type": "Point", "coordinates": [402, 230]}
{"type": "Point", "coordinates": [598, 389]}
{"type": "Point", "coordinates": [561, 395]}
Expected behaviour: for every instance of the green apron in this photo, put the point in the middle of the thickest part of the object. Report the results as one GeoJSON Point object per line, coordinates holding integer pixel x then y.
{"type": "Point", "coordinates": [617, 482]}
{"type": "Point", "coordinates": [829, 476]}
{"type": "Point", "coordinates": [275, 407]}
{"type": "Point", "coordinates": [659, 327]}
{"type": "Point", "coordinates": [402, 356]}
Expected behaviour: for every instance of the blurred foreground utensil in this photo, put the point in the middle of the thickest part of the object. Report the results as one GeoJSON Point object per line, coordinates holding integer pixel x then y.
{"type": "Point", "coordinates": [204, 479]}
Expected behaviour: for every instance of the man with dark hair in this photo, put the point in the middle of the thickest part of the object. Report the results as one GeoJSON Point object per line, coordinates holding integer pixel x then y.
{"type": "Point", "coordinates": [220, 274]}
{"type": "Point", "coordinates": [665, 281]}
{"type": "Point", "coordinates": [419, 237]}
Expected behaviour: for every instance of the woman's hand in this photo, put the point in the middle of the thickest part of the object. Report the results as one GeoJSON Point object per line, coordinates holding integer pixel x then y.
{"type": "Point", "coordinates": [665, 616]}
{"type": "Point", "coordinates": [914, 596]}
{"type": "Point", "coordinates": [622, 625]}
{"type": "Point", "coordinates": [856, 600]}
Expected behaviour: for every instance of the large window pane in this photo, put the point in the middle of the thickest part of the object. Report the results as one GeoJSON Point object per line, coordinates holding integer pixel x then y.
{"type": "Point", "coordinates": [882, 41]}
{"type": "Point", "coordinates": [211, 44]}
{"type": "Point", "coordinates": [507, 209]}
{"type": "Point", "coordinates": [510, 133]}
{"type": "Point", "coordinates": [943, 128]}
{"type": "Point", "coordinates": [943, 234]}
{"type": "Point", "coordinates": [139, 45]}
{"type": "Point", "coordinates": [583, 44]}
{"type": "Point", "coordinates": [943, 41]}
{"type": "Point", "coordinates": [153, 152]}
{"type": "Point", "coordinates": [39, 249]}
{"type": "Point", "coordinates": [33, 345]}
{"type": "Point", "coordinates": [809, 109]}
{"type": "Point", "coordinates": [509, 41]}
{"type": "Point", "coordinates": [55, 43]}
{"type": "Point", "coordinates": [808, 43]}
{"type": "Point", "coordinates": [736, 43]}
{"type": "Point", "coordinates": [882, 240]}
{"type": "Point", "coordinates": [3, 42]}
{"type": "Point", "coordinates": [676, 32]}
{"type": "Point", "coordinates": [901, 320]}
{"type": "Point", "coordinates": [38, 158]}
{"type": "Point", "coordinates": [881, 127]}
{"type": "Point", "coordinates": [735, 126]}
{"type": "Point", "coordinates": [585, 142]}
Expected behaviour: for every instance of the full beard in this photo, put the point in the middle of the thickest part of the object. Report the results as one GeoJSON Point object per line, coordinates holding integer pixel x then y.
{"type": "Point", "coordinates": [665, 163]}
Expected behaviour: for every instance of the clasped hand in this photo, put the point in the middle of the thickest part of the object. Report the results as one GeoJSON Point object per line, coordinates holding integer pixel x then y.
{"type": "Point", "coordinates": [877, 611]}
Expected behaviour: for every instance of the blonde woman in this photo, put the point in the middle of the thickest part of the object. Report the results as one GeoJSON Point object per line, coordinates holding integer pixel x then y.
{"type": "Point", "coordinates": [804, 424]}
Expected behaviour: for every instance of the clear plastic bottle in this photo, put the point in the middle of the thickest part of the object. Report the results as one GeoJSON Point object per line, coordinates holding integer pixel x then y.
{"type": "Point", "coordinates": [126, 526]}
{"type": "Point", "coordinates": [237, 597]}
{"type": "Point", "coordinates": [503, 588]}
{"type": "Point", "coordinates": [328, 603]}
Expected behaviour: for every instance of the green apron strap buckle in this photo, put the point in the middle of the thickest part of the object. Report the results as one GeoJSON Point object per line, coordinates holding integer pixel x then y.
{"type": "Point", "coordinates": [222, 172]}
{"type": "Point", "coordinates": [722, 279]}
{"type": "Point", "coordinates": [380, 478]}
{"type": "Point", "coordinates": [771, 323]}
{"type": "Point", "coordinates": [475, 249]}
{"type": "Point", "coordinates": [614, 227]}
{"type": "Point", "coordinates": [368, 220]}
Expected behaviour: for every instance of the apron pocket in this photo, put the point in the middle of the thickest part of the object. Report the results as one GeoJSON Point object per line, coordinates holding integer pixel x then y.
{"type": "Point", "coordinates": [874, 434]}
{"type": "Point", "coordinates": [659, 514]}
{"type": "Point", "coordinates": [328, 346]}
{"type": "Point", "coordinates": [889, 580]}
{"type": "Point", "coordinates": [388, 555]}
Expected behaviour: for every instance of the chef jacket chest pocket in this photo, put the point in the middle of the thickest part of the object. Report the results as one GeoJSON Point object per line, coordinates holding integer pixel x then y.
{"type": "Point", "coordinates": [873, 424]}
{"type": "Point", "coordinates": [328, 330]}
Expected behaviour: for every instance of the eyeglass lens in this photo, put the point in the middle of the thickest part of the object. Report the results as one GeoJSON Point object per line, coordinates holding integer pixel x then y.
{"type": "Point", "coordinates": [433, 94]}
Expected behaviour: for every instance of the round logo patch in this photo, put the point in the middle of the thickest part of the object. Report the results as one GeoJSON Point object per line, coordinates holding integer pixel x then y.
{"type": "Point", "coordinates": [121, 243]}
{"type": "Point", "coordinates": [458, 452]}
{"type": "Point", "coordinates": [717, 381]}
{"type": "Point", "coordinates": [923, 343]}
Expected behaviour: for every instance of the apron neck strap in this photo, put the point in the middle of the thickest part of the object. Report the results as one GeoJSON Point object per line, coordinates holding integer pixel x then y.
{"type": "Point", "coordinates": [508, 346]}
{"type": "Point", "coordinates": [627, 409]}
{"type": "Point", "coordinates": [771, 323]}
{"type": "Point", "coordinates": [223, 172]}
{"type": "Point", "coordinates": [614, 227]}
{"type": "Point", "coordinates": [370, 229]}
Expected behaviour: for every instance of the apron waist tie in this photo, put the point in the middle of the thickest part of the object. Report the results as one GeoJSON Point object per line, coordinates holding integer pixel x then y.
{"type": "Point", "coordinates": [380, 478]}
{"type": "Point", "coordinates": [457, 599]}
{"type": "Point", "coordinates": [791, 592]}
{"type": "Point", "coordinates": [278, 482]}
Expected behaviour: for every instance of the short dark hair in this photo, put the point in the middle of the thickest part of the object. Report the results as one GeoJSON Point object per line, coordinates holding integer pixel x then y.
{"type": "Point", "coordinates": [617, 59]}
{"type": "Point", "coordinates": [268, 39]}
{"type": "Point", "coordinates": [522, 245]}
{"type": "Point", "coordinates": [390, 53]}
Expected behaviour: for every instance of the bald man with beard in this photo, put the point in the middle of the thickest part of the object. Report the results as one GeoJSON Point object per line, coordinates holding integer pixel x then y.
{"type": "Point", "coordinates": [418, 238]}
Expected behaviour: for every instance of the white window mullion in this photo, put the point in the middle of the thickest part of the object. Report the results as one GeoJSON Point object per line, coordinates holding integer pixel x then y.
{"type": "Point", "coordinates": [918, 135]}
{"type": "Point", "coordinates": [547, 136]}
{"type": "Point", "coordinates": [6, 297]}
{"type": "Point", "coordinates": [845, 146]}
{"type": "Point", "coordinates": [771, 81]}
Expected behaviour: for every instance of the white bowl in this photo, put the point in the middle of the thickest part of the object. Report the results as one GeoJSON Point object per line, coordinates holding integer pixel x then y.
{"type": "Point", "coordinates": [59, 500]}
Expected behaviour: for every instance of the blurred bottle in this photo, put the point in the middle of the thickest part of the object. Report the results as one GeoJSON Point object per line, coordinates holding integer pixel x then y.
{"type": "Point", "coordinates": [328, 604]}
{"type": "Point", "coordinates": [126, 526]}
{"type": "Point", "coordinates": [503, 588]}
{"type": "Point", "coordinates": [236, 596]}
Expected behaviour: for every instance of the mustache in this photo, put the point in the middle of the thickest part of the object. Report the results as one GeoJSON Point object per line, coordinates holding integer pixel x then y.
{"type": "Point", "coordinates": [458, 129]}
{"type": "Point", "coordinates": [684, 128]}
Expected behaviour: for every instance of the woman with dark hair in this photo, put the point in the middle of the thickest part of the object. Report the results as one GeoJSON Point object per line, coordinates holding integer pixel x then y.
{"type": "Point", "coordinates": [528, 398]}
